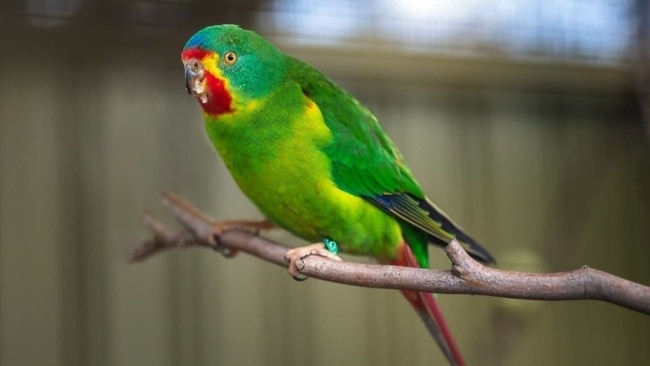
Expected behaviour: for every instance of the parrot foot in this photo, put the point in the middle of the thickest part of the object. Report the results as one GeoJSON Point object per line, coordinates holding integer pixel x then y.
{"type": "Point", "coordinates": [295, 256]}
{"type": "Point", "coordinates": [252, 227]}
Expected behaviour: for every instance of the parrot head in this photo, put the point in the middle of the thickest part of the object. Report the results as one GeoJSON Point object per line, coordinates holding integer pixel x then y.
{"type": "Point", "coordinates": [226, 67]}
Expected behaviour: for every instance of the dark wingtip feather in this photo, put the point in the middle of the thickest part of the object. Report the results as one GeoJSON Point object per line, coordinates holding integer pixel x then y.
{"type": "Point", "coordinates": [424, 215]}
{"type": "Point", "coordinates": [473, 248]}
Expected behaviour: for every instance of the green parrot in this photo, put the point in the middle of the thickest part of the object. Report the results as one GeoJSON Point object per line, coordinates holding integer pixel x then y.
{"type": "Point", "coordinates": [315, 161]}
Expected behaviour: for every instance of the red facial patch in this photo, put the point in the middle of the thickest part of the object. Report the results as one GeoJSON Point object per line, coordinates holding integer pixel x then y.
{"type": "Point", "coordinates": [219, 99]}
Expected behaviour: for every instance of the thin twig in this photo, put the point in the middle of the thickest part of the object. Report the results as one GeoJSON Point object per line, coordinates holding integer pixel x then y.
{"type": "Point", "coordinates": [467, 276]}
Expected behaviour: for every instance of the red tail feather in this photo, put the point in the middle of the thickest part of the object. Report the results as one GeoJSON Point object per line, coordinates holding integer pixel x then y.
{"type": "Point", "coordinates": [429, 310]}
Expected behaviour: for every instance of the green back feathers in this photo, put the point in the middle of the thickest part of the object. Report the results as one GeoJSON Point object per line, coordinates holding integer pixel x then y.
{"type": "Point", "coordinates": [364, 160]}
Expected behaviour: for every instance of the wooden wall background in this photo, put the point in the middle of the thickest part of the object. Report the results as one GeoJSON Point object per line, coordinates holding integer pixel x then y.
{"type": "Point", "coordinates": [95, 122]}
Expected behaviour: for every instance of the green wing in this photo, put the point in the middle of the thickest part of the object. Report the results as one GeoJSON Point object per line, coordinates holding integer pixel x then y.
{"type": "Point", "coordinates": [366, 163]}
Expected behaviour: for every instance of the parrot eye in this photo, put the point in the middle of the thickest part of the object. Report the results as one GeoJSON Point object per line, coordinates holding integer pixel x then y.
{"type": "Point", "coordinates": [230, 57]}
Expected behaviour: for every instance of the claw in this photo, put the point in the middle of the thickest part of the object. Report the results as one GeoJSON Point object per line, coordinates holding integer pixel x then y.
{"type": "Point", "coordinates": [296, 255]}
{"type": "Point", "coordinates": [253, 227]}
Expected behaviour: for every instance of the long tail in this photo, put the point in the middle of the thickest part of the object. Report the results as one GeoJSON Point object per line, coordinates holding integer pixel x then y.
{"type": "Point", "coordinates": [430, 313]}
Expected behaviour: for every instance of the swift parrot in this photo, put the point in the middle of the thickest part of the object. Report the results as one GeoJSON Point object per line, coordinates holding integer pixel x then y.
{"type": "Point", "coordinates": [315, 161]}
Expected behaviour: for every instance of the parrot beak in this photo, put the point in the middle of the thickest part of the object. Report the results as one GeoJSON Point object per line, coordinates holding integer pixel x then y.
{"type": "Point", "coordinates": [194, 80]}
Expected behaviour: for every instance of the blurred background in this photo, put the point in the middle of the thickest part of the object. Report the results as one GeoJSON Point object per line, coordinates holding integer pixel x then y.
{"type": "Point", "coordinates": [527, 121]}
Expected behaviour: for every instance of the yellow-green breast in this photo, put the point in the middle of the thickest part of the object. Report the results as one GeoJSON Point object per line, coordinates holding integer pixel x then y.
{"type": "Point", "coordinates": [274, 150]}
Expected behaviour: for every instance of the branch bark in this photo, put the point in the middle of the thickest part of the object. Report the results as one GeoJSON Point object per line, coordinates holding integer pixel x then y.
{"type": "Point", "coordinates": [466, 276]}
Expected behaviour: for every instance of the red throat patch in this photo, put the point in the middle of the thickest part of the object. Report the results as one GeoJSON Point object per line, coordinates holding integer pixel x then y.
{"type": "Point", "coordinates": [219, 99]}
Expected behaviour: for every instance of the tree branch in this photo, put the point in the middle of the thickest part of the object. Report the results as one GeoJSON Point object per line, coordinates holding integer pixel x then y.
{"type": "Point", "coordinates": [467, 276]}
